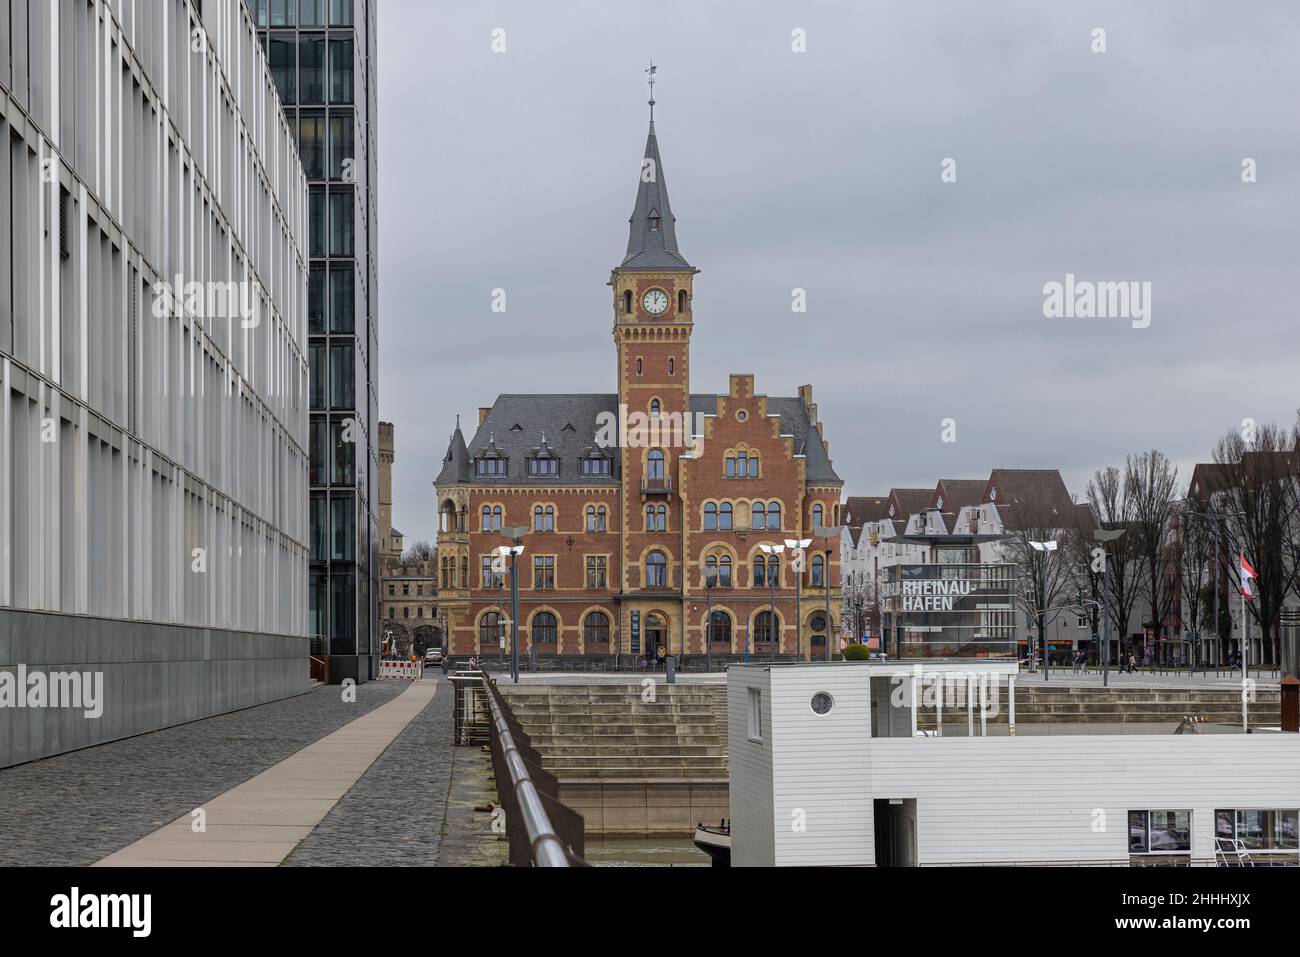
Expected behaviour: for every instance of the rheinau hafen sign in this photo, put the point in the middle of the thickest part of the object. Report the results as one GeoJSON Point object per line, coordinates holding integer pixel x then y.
{"type": "Point", "coordinates": [950, 609]}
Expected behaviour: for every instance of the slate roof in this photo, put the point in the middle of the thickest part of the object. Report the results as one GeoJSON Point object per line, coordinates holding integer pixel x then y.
{"type": "Point", "coordinates": [516, 423]}
{"type": "Point", "coordinates": [1038, 486]}
{"type": "Point", "coordinates": [652, 228]}
{"type": "Point", "coordinates": [907, 502]}
{"type": "Point", "coordinates": [455, 464]}
{"type": "Point", "coordinates": [860, 509]}
{"type": "Point", "coordinates": [958, 493]}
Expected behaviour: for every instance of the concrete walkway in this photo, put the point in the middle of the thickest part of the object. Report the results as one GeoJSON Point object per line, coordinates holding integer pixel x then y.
{"type": "Point", "coordinates": [261, 821]}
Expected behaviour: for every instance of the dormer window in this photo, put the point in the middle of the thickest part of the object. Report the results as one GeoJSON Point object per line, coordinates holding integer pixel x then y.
{"type": "Point", "coordinates": [654, 223]}
{"type": "Point", "coordinates": [493, 467]}
{"type": "Point", "coordinates": [544, 467]}
{"type": "Point", "coordinates": [596, 465]}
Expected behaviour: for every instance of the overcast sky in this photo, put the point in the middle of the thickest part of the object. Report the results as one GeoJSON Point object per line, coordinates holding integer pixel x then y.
{"type": "Point", "coordinates": [821, 170]}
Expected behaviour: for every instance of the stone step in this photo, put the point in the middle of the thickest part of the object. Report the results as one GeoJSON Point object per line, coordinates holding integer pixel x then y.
{"type": "Point", "coordinates": [641, 771]}
{"type": "Point", "coordinates": [548, 742]}
{"type": "Point", "coordinates": [582, 749]}
{"type": "Point", "coordinates": [623, 728]}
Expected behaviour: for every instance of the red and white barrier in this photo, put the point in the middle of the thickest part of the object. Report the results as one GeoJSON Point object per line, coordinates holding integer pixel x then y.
{"type": "Point", "coordinates": [411, 670]}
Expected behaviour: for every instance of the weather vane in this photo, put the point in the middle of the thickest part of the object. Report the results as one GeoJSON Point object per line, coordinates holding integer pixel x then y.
{"type": "Point", "coordinates": [651, 71]}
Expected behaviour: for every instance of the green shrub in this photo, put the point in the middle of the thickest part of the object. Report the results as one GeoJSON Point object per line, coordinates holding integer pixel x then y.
{"type": "Point", "coordinates": [856, 652]}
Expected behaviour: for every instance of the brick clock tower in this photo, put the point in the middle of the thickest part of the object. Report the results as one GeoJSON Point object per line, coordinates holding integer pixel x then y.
{"type": "Point", "coordinates": [652, 335]}
{"type": "Point", "coordinates": [661, 536]}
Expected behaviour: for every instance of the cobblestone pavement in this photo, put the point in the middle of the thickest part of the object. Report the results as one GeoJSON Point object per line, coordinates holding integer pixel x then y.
{"type": "Point", "coordinates": [76, 808]}
{"type": "Point", "coordinates": [393, 815]}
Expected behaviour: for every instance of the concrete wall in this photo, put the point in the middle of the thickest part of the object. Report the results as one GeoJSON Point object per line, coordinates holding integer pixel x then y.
{"type": "Point", "coordinates": [154, 676]}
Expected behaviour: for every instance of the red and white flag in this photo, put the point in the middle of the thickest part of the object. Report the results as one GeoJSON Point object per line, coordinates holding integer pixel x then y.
{"type": "Point", "coordinates": [1247, 576]}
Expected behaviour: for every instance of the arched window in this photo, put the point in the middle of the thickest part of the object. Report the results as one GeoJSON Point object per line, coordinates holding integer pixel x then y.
{"type": "Point", "coordinates": [758, 515]}
{"type": "Point", "coordinates": [817, 515]}
{"type": "Point", "coordinates": [655, 464]}
{"type": "Point", "coordinates": [724, 516]}
{"type": "Point", "coordinates": [595, 629]}
{"type": "Point", "coordinates": [654, 407]}
{"type": "Point", "coordinates": [545, 628]}
{"type": "Point", "coordinates": [490, 630]}
{"type": "Point", "coordinates": [818, 571]}
{"type": "Point", "coordinates": [591, 518]}
{"type": "Point", "coordinates": [724, 571]}
{"type": "Point", "coordinates": [681, 300]}
{"type": "Point", "coordinates": [774, 515]}
{"type": "Point", "coordinates": [544, 518]}
{"type": "Point", "coordinates": [720, 629]}
{"type": "Point", "coordinates": [496, 518]}
{"type": "Point", "coordinates": [710, 516]}
{"type": "Point", "coordinates": [627, 301]}
{"type": "Point", "coordinates": [656, 518]}
{"type": "Point", "coordinates": [487, 518]}
{"type": "Point", "coordinates": [656, 570]}
{"type": "Point", "coordinates": [763, 631]}
{"type": "Point", "coordinates": [638, 366]}
{"type": "Point", "coordinates": [766, 572]}
{"type": "Point", "coordinates": [670, 365]}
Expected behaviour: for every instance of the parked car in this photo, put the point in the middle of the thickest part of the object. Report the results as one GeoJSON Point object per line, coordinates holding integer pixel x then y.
{"type": "Point", "coordinates": [432, 657]}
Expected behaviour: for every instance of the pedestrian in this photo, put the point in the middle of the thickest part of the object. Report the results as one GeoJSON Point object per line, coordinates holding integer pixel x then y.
{"type": "Point", "coordinates": [660, 654]}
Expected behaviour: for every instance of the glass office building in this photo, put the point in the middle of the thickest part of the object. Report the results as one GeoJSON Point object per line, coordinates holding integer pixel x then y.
{"type": "Point", "coordinates": [322, 58]}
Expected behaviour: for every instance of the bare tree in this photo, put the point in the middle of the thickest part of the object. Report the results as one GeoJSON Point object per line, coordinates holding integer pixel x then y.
{"type": "Point", "coordinates": [860, 604]}
{"type": "Point", "coordinates": [1087, 577]}
{"type": "Point", "coordinates": [1045, 574]}
{"type": "Point", "coordinates": [1150, 482]}
{"type": "Point", "coordinates": [1111, 503]}
{"type": "Point", "coordinates": [1194, 548]}
{"type": "Point", "coordinates": [1258, 472]}
{"type": "Point", "coordinates": [420, 551]}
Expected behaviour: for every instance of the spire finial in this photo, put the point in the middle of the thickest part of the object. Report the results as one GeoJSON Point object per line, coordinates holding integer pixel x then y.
{"type": "Point", "coordinates": [651, 72]}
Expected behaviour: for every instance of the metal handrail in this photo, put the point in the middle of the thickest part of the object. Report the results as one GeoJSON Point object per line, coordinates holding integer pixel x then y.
{"type": "Point", "coordinates": [547, 848]}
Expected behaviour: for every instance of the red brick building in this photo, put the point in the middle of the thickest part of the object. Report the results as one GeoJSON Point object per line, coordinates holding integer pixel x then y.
{"type": "Point", "coordinates": [634, 499]}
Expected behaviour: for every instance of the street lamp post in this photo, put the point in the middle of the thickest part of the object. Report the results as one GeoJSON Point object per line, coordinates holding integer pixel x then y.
{"type": "Point", "coordinates": [826, 587]}
{"type": "Point", "coordinates": [514, 550]}
{"type": "Point", "coordinates": [1047, 548]}
{"type": "Point", "coordinates": [710, 579]}
{"type": "Point", "coordinates": [1106, 535]}
{"type": "Point", "coordinates": [833, 531]}
{"type": "Point", "coordinates": [773, 550]}
{"type": "Point", "coordinates": [797, 546]}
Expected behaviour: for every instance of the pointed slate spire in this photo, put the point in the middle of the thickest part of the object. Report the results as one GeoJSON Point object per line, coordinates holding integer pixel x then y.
{"type": "Point", "coordinates": [652, 232]}
{"type": "Point", "coordinates": [456, 463]}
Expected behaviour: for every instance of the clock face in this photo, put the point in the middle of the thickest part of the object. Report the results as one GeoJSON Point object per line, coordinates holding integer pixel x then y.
{"type": "Point", "coordinates": [655, 301]}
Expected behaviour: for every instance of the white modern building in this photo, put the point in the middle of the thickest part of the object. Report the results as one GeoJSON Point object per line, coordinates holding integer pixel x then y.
{"type": "Point", "coordinates": [153, 464]}
{"type": "Point", "coordinates": [828, 768]}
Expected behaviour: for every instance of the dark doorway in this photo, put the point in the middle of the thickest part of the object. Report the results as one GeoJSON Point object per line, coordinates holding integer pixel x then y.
{"type": "Point", "coordinates": [895, 820]}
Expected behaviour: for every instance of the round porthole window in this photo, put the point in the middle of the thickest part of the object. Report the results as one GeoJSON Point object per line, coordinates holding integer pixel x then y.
{"type": "Point", "coordinates": [822, 703]}
{"type": "Point", "coordinates": [742, 415]}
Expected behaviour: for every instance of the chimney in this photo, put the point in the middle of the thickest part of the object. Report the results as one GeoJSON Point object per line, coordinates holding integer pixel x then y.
{"type": "Point", "coordinates": [483, 411]}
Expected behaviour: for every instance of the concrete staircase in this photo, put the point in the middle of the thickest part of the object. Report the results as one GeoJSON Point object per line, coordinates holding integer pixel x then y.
{"type": "Point", "coordinates": [608, 732]}
{"type": "Point", "coordinates": [1040, 703]}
